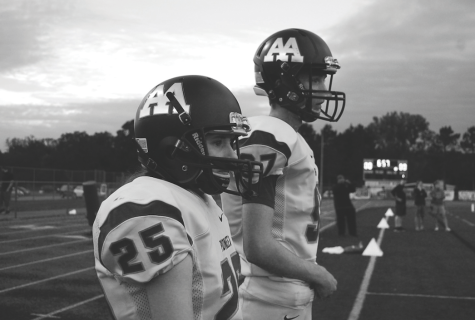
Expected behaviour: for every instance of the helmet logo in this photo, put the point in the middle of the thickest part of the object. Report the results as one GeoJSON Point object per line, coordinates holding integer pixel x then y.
{"type": "Point", "coordinates": [241, 124]}
{"type": "Point", "coordinates": [331, 62]}
{"type": "Point", "coordinates": [199, 143]}
{"type": "Point", "coordinates": [289, 52]}
{"type": "Point", "coordinates": [158, 103]}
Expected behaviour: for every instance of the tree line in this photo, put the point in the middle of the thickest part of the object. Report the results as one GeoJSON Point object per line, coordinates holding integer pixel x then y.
{"type": "Point", "coordinates": [431, 155]}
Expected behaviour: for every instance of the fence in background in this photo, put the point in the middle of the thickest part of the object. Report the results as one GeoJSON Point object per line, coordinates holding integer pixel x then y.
{"type": "Point", "coordinates": [49, 189]}
{"type": "Point", "coordinates": [59, 175]}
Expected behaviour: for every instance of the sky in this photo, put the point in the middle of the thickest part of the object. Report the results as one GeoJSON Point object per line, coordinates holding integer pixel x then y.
{"type": "Point", "coordinates": [85, 65]}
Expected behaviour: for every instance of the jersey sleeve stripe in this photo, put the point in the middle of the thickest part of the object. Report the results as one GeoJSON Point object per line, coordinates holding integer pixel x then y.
{"type": "Point", "coordinates": [268, 139]}
{"type": "Point", "coordinates": [266, 194]}
{"type": "Point", "coordinates": [130, 210]}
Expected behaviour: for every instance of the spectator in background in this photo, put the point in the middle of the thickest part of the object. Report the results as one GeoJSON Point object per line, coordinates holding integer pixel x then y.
{"type": "Point", "coordinates": [6, 190]}
{"type": "Point", "coordinates": [400, 196]}
{"type": "Point", "coordinates": [420, 196]}
{"type": "Point", "coordinates": [344, 209]}
{"type": "Point", "coordinates": [438, 206]}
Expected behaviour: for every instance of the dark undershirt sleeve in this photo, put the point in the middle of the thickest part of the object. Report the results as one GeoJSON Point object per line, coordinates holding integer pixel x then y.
{"type": "Point", "coordinates": [266, 192]}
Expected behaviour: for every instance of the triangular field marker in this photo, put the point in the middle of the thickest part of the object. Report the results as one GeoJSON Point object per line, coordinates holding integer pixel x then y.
{"type": "Point", "coordinates": [389, 213]}
{"type": "Point", "coordinates": [372, 249]}
{"type": "Point", "coordinates": [383, 224]}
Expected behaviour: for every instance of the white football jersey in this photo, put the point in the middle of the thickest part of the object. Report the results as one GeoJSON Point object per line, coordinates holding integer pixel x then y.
{"type": "Point", "coordinates": [285, 154]}
{"type": "Point", "coordinates": [147, 227]}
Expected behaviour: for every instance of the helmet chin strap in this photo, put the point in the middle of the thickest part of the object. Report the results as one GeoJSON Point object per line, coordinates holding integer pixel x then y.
{"type": "Point", "coordinates": [288, 93]}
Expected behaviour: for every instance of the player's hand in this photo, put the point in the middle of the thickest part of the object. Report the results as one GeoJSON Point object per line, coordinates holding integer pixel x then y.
{"type": "Point", "coordinates": [326, 284]}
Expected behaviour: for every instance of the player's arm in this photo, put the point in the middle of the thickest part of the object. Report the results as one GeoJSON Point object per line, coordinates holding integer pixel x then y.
{"type": "Point", "coordinates": [263, 250]}
{"type": "Point", "coordinates": [147, 246]}
{"type": "Point", "coordinates": [170, 293]}
{"type": "Point", "coordinates": [351, 187]}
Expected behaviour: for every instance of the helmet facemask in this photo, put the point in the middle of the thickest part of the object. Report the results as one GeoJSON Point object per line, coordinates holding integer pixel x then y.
{"type": "Point", "coordinates": [333, 103]}
{"type": "Point", "coordinates": [192, 151]}
{"type": "Point", "coordinates": [289, 92]}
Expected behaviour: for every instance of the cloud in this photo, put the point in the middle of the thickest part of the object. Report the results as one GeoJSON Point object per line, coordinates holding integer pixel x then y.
{"type": "Point", "coordinates": [24, 30]}
{"type": "Point", "coordinates": [408, 56]}
{"type": "Point", "coordinates": [44, 121]}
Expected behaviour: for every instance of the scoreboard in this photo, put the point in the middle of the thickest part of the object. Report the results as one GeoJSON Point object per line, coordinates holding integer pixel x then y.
{"type": "Point", "coordinates": [384, 169]}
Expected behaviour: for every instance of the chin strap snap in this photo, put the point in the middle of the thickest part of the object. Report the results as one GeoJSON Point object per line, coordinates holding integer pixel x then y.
{"type": "Point", "coordinates": [182, 115]}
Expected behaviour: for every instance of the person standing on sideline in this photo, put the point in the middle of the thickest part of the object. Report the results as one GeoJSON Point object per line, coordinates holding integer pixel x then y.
{"type": "Point", "coordinates": [438, 207]}
{"type": "Point", "coordinates": [400, 195]}
{"type": "Point", "coordinates": [420, 196]}
{"type": "Point", "coordinates": [344, 209]}
{"type": "Point", "coordinates": [162, 246]}
{"type": "Point", "coordinates": [6, 190]}
{"type": "Point", "coordinates": [277, 232]}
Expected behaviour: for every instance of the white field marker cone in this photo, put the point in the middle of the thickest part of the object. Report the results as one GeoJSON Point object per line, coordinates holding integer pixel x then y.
{"type": "Point", "coordinates": [73, 212]}
{"type": "Point", "coordinates": [383, 224]}
{"type": "Point", "coordinates": [372, 249]}
{"type": "Point", "coordinates": [389, 213]}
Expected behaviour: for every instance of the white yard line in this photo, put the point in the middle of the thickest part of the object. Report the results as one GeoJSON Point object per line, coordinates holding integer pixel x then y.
{"type": "Point", "coordinates": [50, 315]}
{"type": "Point", "coordinates": [358, 305]}
{"type": "Point", "coordinates": [331, 224]}
{"type": "Point", "coordinates": [33, 230]}
{"type": "Point", "coordinates": [45, 280]}
{"type": "Point", "coordinates": [467, 222]}
{"type": "Point", "coordinates": [46, 236]}
{"type": "Point", "coordinates": [419, 295]}
{"type": "Point", "coordinates": [46, 260]}
{"type": "Point", "coordinates": [43, 247]}
{"type": "Point", "coordinates": [460, 218]}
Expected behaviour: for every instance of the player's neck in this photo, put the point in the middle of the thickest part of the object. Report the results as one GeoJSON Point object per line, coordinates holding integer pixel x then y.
{"type": "Point", "coordinates": [285, 115]}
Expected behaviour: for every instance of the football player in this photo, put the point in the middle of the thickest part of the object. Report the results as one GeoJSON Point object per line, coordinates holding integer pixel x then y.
{"type": "Point", "coordinates": [162, 246]}
{"type": "Point", "coordinates": [277, 232]}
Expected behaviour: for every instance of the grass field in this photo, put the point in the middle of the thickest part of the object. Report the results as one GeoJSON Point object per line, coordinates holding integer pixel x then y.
{"type": "Point", "coordinates": [46, 268]}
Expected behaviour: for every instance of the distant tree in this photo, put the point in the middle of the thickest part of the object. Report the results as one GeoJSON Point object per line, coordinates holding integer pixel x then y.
{"type": "Point", "coordinates": [74, 151]}
{"type": "Point", "coordinates": [447, 140]}
{"type": "Point", "coordinates": [468, 140]}
{"type": "Point", "coordinates": [325, 156]}
{"type": "Point", "coordinates": [308, 133]}
{"type": "Point", "coordinates": [353, 145]}
{"type": "Point", "coordinates": [125, 148]}
{"type": "Point", "coordinates": [398, 133]}
{"type": "Point", "coordinates": [29, 151]}
{"type": "Point", "coordinates": [468, 146]}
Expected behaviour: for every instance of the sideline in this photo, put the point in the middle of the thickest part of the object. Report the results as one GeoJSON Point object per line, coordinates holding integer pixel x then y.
{"type": "Point", "coordinates": [418, 295]}
{"type": "Point", "coordinates": [358, 305]}
{"type": "Point", "coordinates": [43, 247]}
{"type": "Point", "coordinates": [26, 229]}
{"type": "Point", "coordinates": [46, 260]}
{"type": "Point", "coordinates": [45, 280]}
{"type": "Point", "coordinates": [51, 314]}
{"type": "Point", "coordinates": [46, 236]}
{"type": "Point", "coordinates": [460, 218]}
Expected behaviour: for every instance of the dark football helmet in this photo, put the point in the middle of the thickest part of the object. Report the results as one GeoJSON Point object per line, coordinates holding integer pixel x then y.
{"type": "Point", "coordinates": [278, 62]}
{"type": "Point", "coordinates": [170, 127]}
